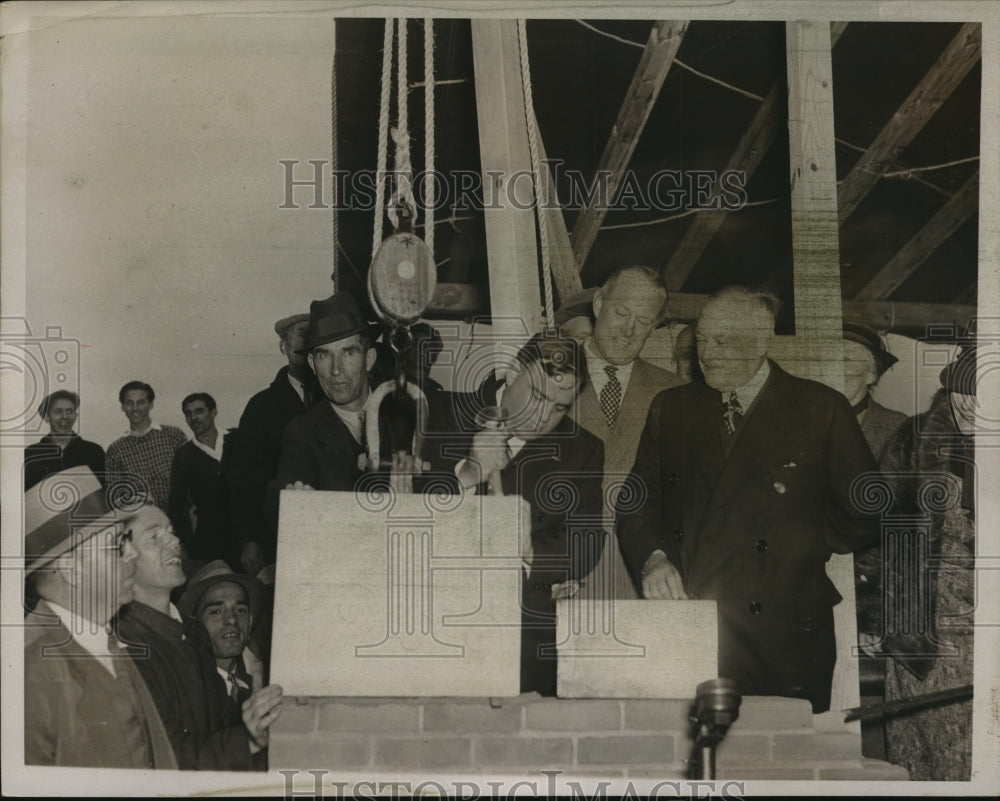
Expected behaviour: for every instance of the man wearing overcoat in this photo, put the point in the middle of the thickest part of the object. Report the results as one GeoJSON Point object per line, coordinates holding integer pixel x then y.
{"type": "Point", "coordinates": [748, 478]}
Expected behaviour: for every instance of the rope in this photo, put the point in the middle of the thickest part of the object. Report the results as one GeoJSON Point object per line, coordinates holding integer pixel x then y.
{"type": "Point", "coordinates": [383, 135]}
{"type": "Point", "coordinates": [429, 134]}
{"type": "Point", "coordinates": [529, 114]}
{"type": "Point", "coordinates": [334, 222]}
{"type": "Point", "coordinates": [401, 134]}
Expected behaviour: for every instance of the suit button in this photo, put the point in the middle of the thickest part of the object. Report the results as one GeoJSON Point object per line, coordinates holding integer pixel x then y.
{"type": "Point", "coordinates": [672, 479]}
{"type": "Point", "coordinates": [678, 534]}
{"type": "Point", "coordinates": [761, 546]}
{"type": "Point", "coordinates": [755, 607]}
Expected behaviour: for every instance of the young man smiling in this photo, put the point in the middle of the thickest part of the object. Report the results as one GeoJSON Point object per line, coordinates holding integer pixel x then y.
{"type": "Point", "coordinates": [144, 455]}
{"type": "Point", "coordinates": [61, 448]}
{"type": "Point", "coordinates": [208, 729]}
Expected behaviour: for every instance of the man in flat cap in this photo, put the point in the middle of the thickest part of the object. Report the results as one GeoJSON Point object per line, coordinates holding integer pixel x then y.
{"type": "Point", "coordinates": [85, 704]}
{"type": "Point", "coordinates": [252, 450]}
{"type": "Point", "coordinates": [228, 605]}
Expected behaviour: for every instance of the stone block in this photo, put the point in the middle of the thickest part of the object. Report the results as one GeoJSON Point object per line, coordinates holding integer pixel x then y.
{"type": "Point", "coordinates": [658, 715]}
{"type": "Point", "coordinates": [625, 750]}
{"type": "Point", "coordinates": [425, 753]}
{"type": "Point", "coordinates": [635, 649]}
{"type": "Point", "coordinates": [818, 747]}
{"type": "Point", "coordinates": [763, 712]}
{"type": "Point", "coordinates": [389, 717]}
{"type": "Point", "coordinates": [415, 595]}
{"type": "Point", "coordinates": [517, 753]}
{"type": "Point", "coordinates": [471, 717]}
{"type": "Point", "coordinates": [316, 752]}
{"type": "Point", "coordinates": [582, 716]}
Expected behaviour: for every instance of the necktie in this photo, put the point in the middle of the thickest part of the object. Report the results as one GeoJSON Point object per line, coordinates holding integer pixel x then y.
{"type": "Point", "coordinates": [732, 412]}
{"type": "Point", "coordinates": [611, 395]}
{"type": "Point", "coordinates": [234, 686]}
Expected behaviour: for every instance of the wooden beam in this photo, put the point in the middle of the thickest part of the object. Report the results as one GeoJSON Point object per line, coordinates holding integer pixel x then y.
{"type": "Point", "coordinates": [940, 81]}
{"type": "Point", "coordinates": [565, 269]}
{"type": "Point", "coordinates": [515, 297]}
{"type": "Point", "coordinates": [753, 145]}
{"type": "Point", "coordinates": [967, 296]}
{"type": "Point", "coordinates": [664, 41]}
{"type": "Point", "coordinates": [948, 219]}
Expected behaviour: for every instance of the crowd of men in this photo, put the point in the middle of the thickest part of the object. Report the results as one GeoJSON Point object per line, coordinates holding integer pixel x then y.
{"type": "Point", "coordinates": [731, 480]}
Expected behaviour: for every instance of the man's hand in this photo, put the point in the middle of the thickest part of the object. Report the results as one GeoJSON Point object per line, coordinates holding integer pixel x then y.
{"type": "Point", "coordinates": [660, 579]}
{"type": "Point", "coordinates": [299, 485]}
{"type": "Point", "coordinates": [252, 558]}
{"type": "Point", "coordinates": [404, 467]}
{"type": "Point", "coordinates": [488, 455]}
{"type": "Point", "coordinates": [260, 710]}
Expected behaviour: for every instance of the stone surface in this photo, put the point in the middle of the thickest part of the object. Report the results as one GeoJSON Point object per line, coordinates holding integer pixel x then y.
{"type": "Point", "coordinates": [635, 649]}
{"type": "Point", "coordinates": [408, 595]}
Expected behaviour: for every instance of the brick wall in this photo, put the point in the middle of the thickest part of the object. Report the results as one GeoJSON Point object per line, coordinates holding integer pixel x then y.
{"type": "Point", "coordinates": [774, 738]}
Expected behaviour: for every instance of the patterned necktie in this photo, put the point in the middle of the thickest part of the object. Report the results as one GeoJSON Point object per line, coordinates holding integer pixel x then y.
{"type": "Point", "coordinates": [732, 412]}
{"type": "Point", "coordinates": [611, 395]}
{"type": "Point", "coordinates": [234, 686]}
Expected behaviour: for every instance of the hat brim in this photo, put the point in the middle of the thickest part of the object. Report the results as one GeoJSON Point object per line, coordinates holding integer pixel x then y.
{"type": "Point", "coordinates": [77, 536]}
{"type": "Point", "coordinates": [372, 330]}
{"type": "Point", "coordinates": [187, 605]}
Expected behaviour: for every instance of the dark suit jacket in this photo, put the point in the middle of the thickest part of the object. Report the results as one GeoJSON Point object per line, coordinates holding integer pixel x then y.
{"type": "Point", "coordinates": [754, 531]}
{"type": "Point", "coordinates": [252, 451]}
{"type": "Point", "coordinates": [202, 721]}
{"type": "Point", "coordinates": [620, 444]}
{"type": "Point", "coordinates": [560, 477]}
{"type": "Point", "coordinates": [197, 477]}
{"type": "Point", "coordinates": [76, 713]}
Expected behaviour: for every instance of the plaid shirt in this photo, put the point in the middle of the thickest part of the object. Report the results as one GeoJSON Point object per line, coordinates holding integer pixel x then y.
{"type": "Point", "coordinates": [144, 462]}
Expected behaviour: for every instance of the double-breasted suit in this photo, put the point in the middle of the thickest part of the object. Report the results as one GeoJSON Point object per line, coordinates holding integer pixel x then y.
{"type": "Point", "coordinates": [620, 444]}
{"type": "Point", "coordinates": [753, 530]}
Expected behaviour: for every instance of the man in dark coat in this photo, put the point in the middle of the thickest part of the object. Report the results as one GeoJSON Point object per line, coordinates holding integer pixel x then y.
{"type": "Point", "coordinates": [541, 455]}
{"type": "Point", "coordinates": [196, 480]}
{"type": "Point", "coordinates": [252, 450]}
{"type": "Point", "coordinates": [60, 449]}
{"type": "Point", "coordinates": [207, 728]}
{"type": "Point", "coordinates": [85, 704]}
{"type": "Point", "coordinates": [747, 478]}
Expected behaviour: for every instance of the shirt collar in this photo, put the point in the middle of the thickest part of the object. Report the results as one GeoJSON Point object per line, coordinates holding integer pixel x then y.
{"type": "Point", "coordinates": [298, 386]}
{"type": "Point", "coordinates": [216, 452]}
{"type": "Point", "coordinates": [748, 393]}
{"type": "Point", "coordinates": [596, 364]}
{"type": "Point", "coordinates": [83, 632]}
{"type": "Point", "coordinates": [152, 427]}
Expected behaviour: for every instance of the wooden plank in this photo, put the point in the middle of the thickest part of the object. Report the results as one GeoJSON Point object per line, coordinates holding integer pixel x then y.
{"type": "Point", "coordinates": [816, 270]}
{"type": "Point", "coordinates": [515, 296]}
{"type": "Point", "coordinates": [753, 145]}
{"type": "Point", "coordinates": [948, 219]}
{"type": "Point", "coordinates": [967, 295]}
{"type": "Point", "coordinates": [940, 81]}
{"type": "Point", "coordinates": [663, 44]}
{"type": "Point", "coordinates": [565, 269]}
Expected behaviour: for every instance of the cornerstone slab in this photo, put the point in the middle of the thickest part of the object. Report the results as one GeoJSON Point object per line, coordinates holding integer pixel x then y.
{"type": "Point", "coordinates": [378, 594]}
{"type": "Point", "coordinates": [635, 648]}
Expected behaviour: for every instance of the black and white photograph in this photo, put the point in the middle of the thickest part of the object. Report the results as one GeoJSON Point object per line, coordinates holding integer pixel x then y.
{"type": "Point", "coordinates": [492, 399]}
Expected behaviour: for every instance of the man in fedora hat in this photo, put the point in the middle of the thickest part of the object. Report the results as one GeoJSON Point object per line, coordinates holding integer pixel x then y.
{"type": "Point", "coordinates": [229, 606]}
{"type": "Point", "coordinates": [324, 449]}
{"type": "Point", "coordinates": [866, 359]}
{"type": "Point", "coordinates": [85, 704]}
{"type": "Point", "coordinates": [252, 450]}
{"type": "Point", "coordinates": [209, 731]}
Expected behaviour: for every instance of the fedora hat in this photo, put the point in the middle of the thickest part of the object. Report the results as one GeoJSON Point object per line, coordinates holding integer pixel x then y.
{"type": "Point", "coordinates": [285, 323]}
{"type": "Point", "coordinates": [63, 510]}
{"type": "Point", "coordinates": [856, 332]}
{"type": "Point", "coordinates": [215, 573]}
{"type": "Point", "coordinates": [579, 304]}
{"type": "Point", "coordinates": [336, 317]}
